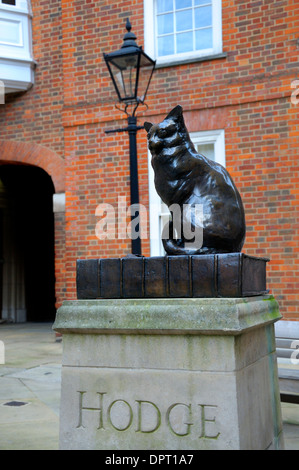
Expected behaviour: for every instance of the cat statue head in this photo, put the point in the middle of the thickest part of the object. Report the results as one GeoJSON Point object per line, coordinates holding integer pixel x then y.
{"type": "Point", "coordinates": [170, 135]}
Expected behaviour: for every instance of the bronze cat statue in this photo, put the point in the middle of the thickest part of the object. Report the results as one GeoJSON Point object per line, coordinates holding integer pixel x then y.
{"type": "Point", "coordinates": [186, 179]}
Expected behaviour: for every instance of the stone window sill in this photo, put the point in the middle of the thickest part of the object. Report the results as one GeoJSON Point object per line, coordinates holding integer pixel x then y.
{"type": "Point", "coordinates": [190, 60]}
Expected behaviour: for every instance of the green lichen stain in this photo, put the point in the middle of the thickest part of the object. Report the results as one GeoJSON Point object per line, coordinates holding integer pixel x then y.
{"type": "Point", "coordinates": [274, 307]}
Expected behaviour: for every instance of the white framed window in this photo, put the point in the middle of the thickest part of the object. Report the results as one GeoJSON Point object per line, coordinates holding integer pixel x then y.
{"type": "Point", "coordinates": [182, 30]}
{"type": "Point", "coordinates": [16, 58]}
{"type": "Point", "coordinates": [209, 143]}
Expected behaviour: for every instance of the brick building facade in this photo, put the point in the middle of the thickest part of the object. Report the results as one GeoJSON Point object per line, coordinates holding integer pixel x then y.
{"type": "Point", "coordinates": [244, 86]}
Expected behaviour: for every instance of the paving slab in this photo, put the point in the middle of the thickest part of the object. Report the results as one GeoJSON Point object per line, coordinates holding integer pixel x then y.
{"type": "Point", "coordinates": [30, 382]}
{"type": "Point", "coordinates": [36, 435]}
{"type": "Point", "coordinates": [12, 389]}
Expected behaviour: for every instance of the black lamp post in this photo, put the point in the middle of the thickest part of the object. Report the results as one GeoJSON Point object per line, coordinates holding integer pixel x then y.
{"type": "Point", "coordinates": [131, 71]}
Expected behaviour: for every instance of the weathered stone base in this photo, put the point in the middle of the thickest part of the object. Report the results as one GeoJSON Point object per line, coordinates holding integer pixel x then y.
{"type": "Point", "coordinates": [181, 374]}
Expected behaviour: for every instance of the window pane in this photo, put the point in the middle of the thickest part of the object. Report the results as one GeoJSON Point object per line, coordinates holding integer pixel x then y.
{"type": "Point", "coordinates": [186, 24]}
{"type": "Point", "coordinates": [183, 4]}
{"type": "Point", "coordinates": [165, 24]}
{"type": "Point", "coordinates": [203, 17]}
{"type": "Point", "coordinates": [201, 2]}
{"type": "Point", "coordinates": [164, 5]}
{"type": "Point", "coordinates": [166, 45]}
{"type": "Point", "coordinates": [125, 80]}
{"type": "Point", "coordinates": [184, 20]}
{"type": "Point", "coordinates": [204, 39]}
{"type": "Point", "coordinates": [207, 150]}
{"type": "Point", "coordinates": [184, 42]}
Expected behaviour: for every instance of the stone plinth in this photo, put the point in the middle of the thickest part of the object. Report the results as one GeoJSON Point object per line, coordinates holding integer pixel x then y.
{"type": "Point", "coordinates": [169, 374]}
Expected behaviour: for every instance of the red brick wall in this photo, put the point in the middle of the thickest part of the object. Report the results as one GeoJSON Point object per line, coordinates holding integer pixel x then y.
{"type": "Point", "coordinates": [247, 94]}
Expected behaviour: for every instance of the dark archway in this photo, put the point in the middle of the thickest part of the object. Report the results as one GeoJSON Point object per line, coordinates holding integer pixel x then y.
{"type": "Point", "coordinates": [27, 244]}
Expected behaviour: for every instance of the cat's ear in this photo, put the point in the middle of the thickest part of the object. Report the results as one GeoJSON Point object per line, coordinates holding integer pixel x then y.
{"type": "Point", "coordinates": [148, 126]}
{"type": "Point", "coordinates": [176, 113]}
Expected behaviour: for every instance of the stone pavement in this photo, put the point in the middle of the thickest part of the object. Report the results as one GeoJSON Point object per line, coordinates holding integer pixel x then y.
{"type": "Point", "coordinates": [30, 387]}
{"type": "Point", "coordinates": [30, 380]}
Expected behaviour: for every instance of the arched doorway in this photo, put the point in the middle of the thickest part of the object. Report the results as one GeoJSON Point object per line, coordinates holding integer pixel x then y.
{"type": "Point", "coordinates": [27, 279]}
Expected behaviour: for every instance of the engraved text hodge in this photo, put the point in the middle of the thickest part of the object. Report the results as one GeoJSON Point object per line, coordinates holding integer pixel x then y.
{"type": "Point", "coordinates": [146, 416]}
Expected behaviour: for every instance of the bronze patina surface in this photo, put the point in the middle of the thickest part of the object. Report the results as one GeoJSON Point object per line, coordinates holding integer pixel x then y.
{"type": "Point", "coordinates": [185, 178]}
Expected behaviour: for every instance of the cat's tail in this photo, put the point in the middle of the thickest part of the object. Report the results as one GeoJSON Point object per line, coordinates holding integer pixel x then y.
{"type": "Point", "coordinates": [176, 246]}
{"type": "Point", "coordinates": [172, 247]}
